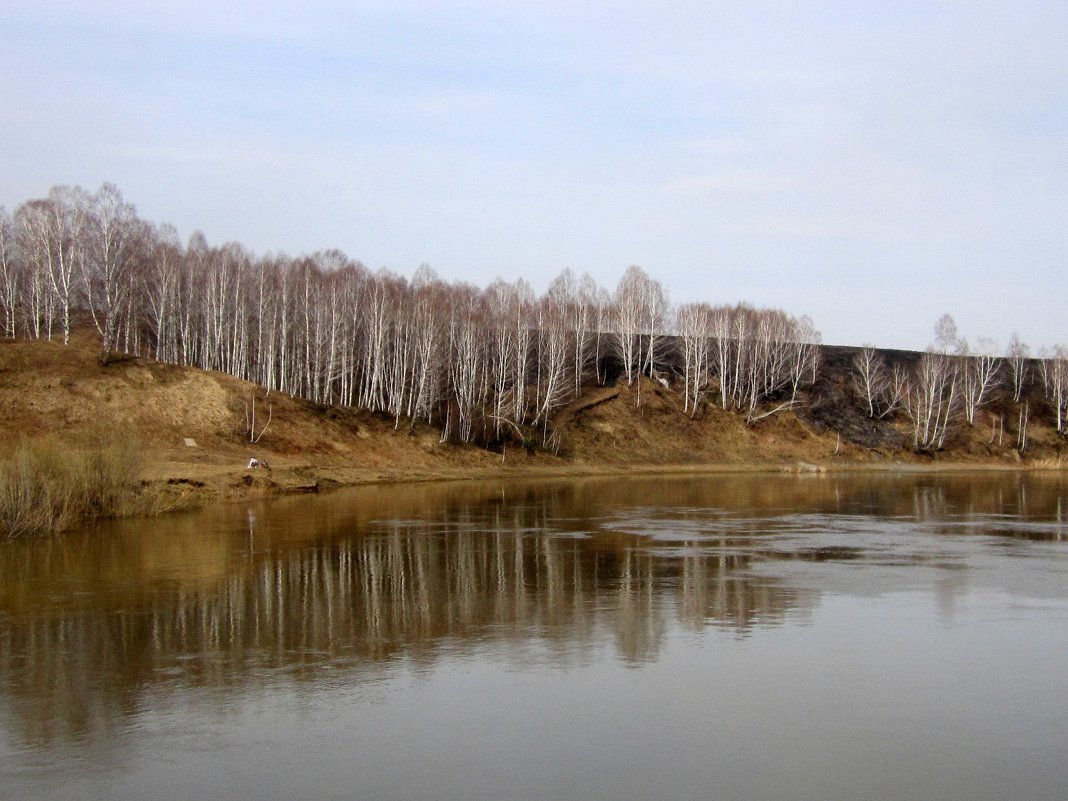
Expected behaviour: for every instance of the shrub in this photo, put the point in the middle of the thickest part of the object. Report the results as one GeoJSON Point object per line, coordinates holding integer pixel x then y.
{"type": "Point", "coordinates": [46, 486]}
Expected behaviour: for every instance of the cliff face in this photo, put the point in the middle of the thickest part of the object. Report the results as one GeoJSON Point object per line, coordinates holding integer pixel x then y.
{"type": "Point", "coordinates": [47, 389]}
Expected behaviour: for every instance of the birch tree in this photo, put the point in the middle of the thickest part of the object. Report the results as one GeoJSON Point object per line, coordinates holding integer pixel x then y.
{"type": "Point", "coordinates": [897, 391]}
{"type": "Point", "coordinates": [803, 351]}
{"type": "Point", "coordinates": [9, 275]}
{"type": "Point", "coordinates": [467, 360]}
{"type": "Point", "coordinates": [602, 316]}
{"type": "Point", "coordinates": [655, 308]}
{"type": "Point", "coordinates": [870, 377]}
{"type": "Point", "coordinates": [629, 318]}
{"type": "Point", "coordinates": [161, 278]}
{"type": "Point", "coordinates": [111, 231]}
{"type": "Point", "coordinates": [933, 399]}
{"type": "Point", "coordinates": [769, 363]}
{"type": "Point", "coordinates": [502, 300]}
{"type": "Point", "coordinates": [583, 315]}
{"type": "Point", "coordinates": [695, 328]}
{"type": "Point", "coordinates": [1054, 365]}
{"type": "Point", "coordinates": [724, 353]}
{"type": "Point", "coordinates": [946, 333]}
{"type": "Point", "coordinates": [553, 386]}
{"type": "Point", "coordinates": [266, 283]}
{"type": "Point", "coordinates": [980, 372]}
{"type": "Point", "coordinates": [332, 317]}
{"type": "Point", "coordinates": [194, 268]}
{"type": "Point", "coordinates": [428, 315]}
{"type": "Point", "coordinates": [50, 234]}
{"type": "Point", "coordinates": [1016, 355]}
{"type": "Point", "coordinates": [524, 322]}
{"type": "Point", "coordinates": [380, 308]}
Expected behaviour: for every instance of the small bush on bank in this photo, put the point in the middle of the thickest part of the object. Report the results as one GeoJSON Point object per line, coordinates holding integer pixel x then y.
{"type": "Point", "coordinates": [46, 486]}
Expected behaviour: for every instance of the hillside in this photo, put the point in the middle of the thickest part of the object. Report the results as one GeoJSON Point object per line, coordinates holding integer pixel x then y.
{"type": "Point", "coordinates": [47, 389]}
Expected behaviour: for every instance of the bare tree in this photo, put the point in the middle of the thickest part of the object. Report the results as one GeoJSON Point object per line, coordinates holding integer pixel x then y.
{"type": "Point", "coordinates": [641, 308]}
{"type": "Point", "coordinates": [380, 308]}
{"type": "Point", "coordinates": [331, 320]}
{"type": "Point", "coordinates": [250, 420]}
{"type": "Point", "coordinates": [523, 318]}
{"type": "Point", "coordinates": [190, 298]}
{"type": "Point", "coordinates": [161, 278]}
{"type": "Point", "coordinates": [1054, 366]}
{"type": "Point", "coordinates": [782, 357]}
{"type": "Point", "coordinates": [725, 353]}
{"type": "Point", "coordinates": [50, 234]}
{"type": "Point", "coordinates": [870, 377]}
{"type": "Point", "coordinates": [603, 323]}
{"type": "Point", "coordinates": [897, 390]}
{"type": "Point", "coordinates": [553, 386]}
{"type": "Point", "coordinates": [803, 349]}
{"type": "Point", "coordinates": [111, 231]}
{"type": "Point", "coordinates": [501, 299]}
{"type": "Point", "coordinates": [467, 360]}
{"type": "Point", "coordinates": [656, 309]}
{"type": "Point", "coordinates": [628, 319]}
{"type": "Point", "coordinates": [357, 282]}
{"type": "Point", "coordinates": [9, 275]}
{"type": "Point", "coordinates": [980, 373]}
{"type": "Point", "coordinates": [945, 333]}
{"type": "Point", "coordinates": [1021, 426]}
{"type": "Point", "coordinates": [933, 399]}
{"type": "Point", "coordinates": [428, 315]}
{"type": "Point", "coordinates": [1017, 355]}
{"type": "Point", "coordinates": [267, 282]}
{"type": "Point", "coordinates": [695, 327]}
{"type": "Point", "coordinates": [583, 316]}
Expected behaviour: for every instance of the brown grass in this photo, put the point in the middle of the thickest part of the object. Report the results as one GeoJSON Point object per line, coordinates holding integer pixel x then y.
{"type": "Point", "coordinates": [48, 486]}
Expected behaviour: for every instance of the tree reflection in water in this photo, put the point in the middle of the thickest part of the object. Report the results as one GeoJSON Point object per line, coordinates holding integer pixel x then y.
{"type": "Point", "coordinates": [359, 581]}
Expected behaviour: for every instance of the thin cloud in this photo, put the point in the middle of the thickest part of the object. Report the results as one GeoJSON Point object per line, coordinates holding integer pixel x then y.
{"type": "Point", "coordinates": [736, 181]}
{"type": "Point", "coordinates": [796, 227]}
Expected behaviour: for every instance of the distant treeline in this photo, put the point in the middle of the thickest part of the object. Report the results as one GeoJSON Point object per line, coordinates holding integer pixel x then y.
{"type": "Point", "coordinates": [482, 364]}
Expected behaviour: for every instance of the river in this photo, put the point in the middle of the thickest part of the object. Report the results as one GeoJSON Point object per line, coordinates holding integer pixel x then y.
{"type": "Point", "coordinates": [823, 637]}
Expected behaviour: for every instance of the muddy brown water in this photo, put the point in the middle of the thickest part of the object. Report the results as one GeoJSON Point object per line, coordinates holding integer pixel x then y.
{"type": "Point", "coordinates": [718, 637]}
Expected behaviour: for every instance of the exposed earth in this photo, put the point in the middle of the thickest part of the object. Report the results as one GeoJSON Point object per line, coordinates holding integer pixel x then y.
{"type": "Point", "coordinates": [193, 430]}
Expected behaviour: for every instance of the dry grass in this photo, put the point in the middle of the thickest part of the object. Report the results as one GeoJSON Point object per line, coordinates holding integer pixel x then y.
{"type": "Point", "coordinates": [48, 486]}
{"type": "Point", "coordinates": [1049, 463]}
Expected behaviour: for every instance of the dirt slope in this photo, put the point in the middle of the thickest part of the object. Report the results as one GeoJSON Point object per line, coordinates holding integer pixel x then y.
{"type": "Point", "coordinates": [50, 389]}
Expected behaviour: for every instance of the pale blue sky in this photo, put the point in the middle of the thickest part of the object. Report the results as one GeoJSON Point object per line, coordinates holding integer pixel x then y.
{"type": "Point", "coordinates": [872, 165]}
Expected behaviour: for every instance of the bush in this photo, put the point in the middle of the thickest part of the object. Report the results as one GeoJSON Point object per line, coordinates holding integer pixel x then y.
{"type": "Point", "coordinates": [46, 486]}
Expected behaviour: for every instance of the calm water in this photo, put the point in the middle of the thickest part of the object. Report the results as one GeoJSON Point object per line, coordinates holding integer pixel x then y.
{"type": "Point", "coordinates": [866, 637]}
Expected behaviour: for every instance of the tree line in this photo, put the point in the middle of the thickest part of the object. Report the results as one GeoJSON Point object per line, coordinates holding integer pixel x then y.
{"type": "Point", "coordinates": [482, 364]}
{"type": "Point", "coordinates": [953, 380]}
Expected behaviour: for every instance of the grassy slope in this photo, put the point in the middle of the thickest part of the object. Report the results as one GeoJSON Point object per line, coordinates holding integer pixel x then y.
{"type": "Point", "coordinates": [46, 388]}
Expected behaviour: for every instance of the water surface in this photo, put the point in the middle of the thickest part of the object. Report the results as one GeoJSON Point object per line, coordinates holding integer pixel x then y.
{"type": "Point", "coordinates": [813, 637]}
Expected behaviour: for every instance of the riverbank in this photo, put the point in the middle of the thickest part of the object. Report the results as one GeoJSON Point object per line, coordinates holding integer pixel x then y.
{"type": "Point", "coordinates": [188, 481]}
{"type": "Point", "coordinates": [194, 483]}
{"type": "Point", "coordinates": [197, 431]}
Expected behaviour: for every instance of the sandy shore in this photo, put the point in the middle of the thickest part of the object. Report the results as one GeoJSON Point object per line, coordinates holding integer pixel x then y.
{"type": "Point", "coordinates": [227, 478]}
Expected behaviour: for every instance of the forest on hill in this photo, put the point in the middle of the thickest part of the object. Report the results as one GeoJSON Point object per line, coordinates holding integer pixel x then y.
{"type": "Point", "coordinates": [494, 364]}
